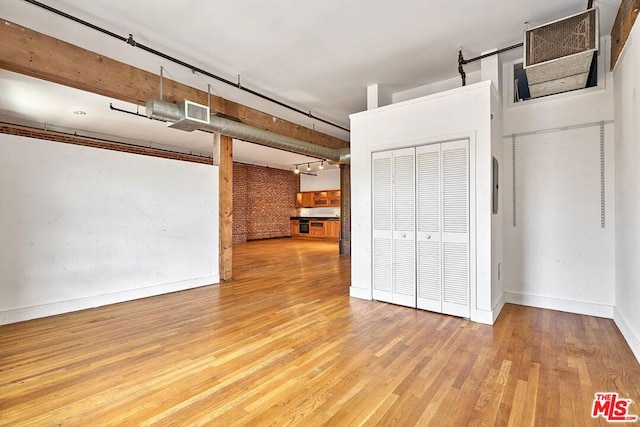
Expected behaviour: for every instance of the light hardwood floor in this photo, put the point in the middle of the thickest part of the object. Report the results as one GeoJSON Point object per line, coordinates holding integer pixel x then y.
{"type": "Point", "coordinates": [283, 344]}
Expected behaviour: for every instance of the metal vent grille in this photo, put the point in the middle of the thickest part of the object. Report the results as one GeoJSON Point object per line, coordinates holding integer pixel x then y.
{"type": "Point", "coordinates": [566, 37]}
{"type": "Point", "coordinates": [197, 112]}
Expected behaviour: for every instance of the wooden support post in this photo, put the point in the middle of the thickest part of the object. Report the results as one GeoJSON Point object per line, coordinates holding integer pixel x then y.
{"type": "Point", "coordinates": [345, 210]}
{"type": "Point", "coordinates": [225, 162]}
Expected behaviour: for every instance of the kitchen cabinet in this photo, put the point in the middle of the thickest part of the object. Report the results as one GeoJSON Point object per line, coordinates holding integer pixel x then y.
{"type": "Point", "coordinates": [332, 230]}
{"type": "Point", "coordinates": [295, 228]}
{"type": "Point", "coordinates": [318, 199]}
{"type": "Point", "coordinates": [317, 229]}
{"type": "Point", "coordinates": [304, 200]}
{"type": "Point", "coordinates": [334, 198]}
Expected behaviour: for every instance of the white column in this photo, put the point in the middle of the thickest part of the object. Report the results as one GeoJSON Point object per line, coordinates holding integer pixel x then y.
{"type": "Point", "coordinates": [491, 69]}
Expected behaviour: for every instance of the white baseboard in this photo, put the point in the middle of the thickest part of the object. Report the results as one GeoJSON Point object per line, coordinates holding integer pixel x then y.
{"type": "Point", "coordinates": [488, 317]}
{"type": "Point", "coordinates": [51, 309]}
{"type": "Point", "coordinates": [632, 337]}
{"type": "Point", "coordinates": [361, 293]}
{"type": "Point", "coordinates": [569, 306]}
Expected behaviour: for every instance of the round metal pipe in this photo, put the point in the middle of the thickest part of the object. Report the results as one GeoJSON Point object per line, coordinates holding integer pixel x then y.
{"type": "Point", "coordinates": [168, 111]}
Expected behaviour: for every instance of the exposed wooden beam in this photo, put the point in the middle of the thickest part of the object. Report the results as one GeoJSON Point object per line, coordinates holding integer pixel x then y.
{"type": "Point", "coordinates": [35, 54]}
{"type": "Point", "coordinates": [225, 144]}
{"type": "Point", "coordinates": [626, 17]}
{"type": "Point", "coordinates": [345, 210]}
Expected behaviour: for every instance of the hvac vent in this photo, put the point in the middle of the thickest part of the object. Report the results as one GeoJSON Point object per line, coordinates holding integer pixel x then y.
{"type": "Point", "coordinates": [194, 116]}
{"type": "Point", "coordinates": [558, 55]}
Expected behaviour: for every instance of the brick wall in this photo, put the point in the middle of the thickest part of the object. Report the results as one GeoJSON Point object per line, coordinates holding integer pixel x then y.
{"type": "Point", "coordinates": [263, 202]}
{"type": "Point", "coordinates": [97, 143]}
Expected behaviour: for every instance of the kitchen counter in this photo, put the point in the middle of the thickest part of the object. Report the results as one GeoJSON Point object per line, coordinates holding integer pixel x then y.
{"type": "Point", "coordinates": [316, 218]}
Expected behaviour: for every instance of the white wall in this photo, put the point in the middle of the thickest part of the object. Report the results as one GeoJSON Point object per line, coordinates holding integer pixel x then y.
{"type": "Point", "coordinates": [326, 179]}
{"type": "Point", "coordinates": [433, 88]}
{"type": "Point", "coordinates": [627, 155]}
{"type": "Point", "coordinates": [557, 255]}
{"type": "Point", "coordinates": [497, 220]}
{"type": "Point", "coordinates": [83, 227]}
{"type": "Point", "coordinates": [459, 113]}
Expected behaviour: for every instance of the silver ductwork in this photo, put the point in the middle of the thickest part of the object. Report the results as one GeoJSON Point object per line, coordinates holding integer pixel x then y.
{"type": "Point", "coordinates": [170, 112]}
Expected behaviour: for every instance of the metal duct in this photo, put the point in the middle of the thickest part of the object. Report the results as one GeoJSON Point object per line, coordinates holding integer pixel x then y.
{"type": "Point", "coordinates": [168, 111]}
{"type": "Point", "coordinates": [558, 55]}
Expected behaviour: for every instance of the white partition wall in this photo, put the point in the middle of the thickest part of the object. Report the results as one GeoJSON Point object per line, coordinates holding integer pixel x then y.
{"type": "Point", "coordinates": [463, 114]}
{"type": "Point", "coordinates": [82, 227]}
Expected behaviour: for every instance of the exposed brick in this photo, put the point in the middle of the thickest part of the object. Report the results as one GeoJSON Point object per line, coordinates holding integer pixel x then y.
{"type": "Point", "coordinates": [263, 202]}
{"type": "Point", "coordinates": [105, 145]}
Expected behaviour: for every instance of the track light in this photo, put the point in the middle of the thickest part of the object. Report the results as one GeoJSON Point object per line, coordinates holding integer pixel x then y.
{"type": "Point", "coordinates": [298, 169]}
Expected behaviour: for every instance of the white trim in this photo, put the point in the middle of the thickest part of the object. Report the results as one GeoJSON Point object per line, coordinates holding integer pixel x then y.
{"type": "Point", "coordinates": [362, 293]}
{"type": "Point", "coordinates": [427, 98]}
{"type": "Point", "coordinates": [508, 78]}
{"type": "Point", "coordinates": [488, 317]}
{"type": "Point", "coordinates": [560, 304]}
{"type": "Point", "coordinates": [52, 309]}
{"type": "Point", "coordinates": [627, 332]}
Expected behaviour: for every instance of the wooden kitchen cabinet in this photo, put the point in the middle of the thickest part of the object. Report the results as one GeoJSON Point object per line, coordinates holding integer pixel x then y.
{"type": "Point", "coordinates": [304, 200]}
{"type": "Point", "coordinates": [334, 198]}
{"type": "Point", "coordinates": [332, 230]}
{"type": "Point", "coordinates": [317, 229]}
{"type": "Point", "coordinates": [318, 199]}
{"type": "Point", "coordinates": [295, 228]}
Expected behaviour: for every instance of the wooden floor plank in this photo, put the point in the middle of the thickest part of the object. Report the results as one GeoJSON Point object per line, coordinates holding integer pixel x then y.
{"type": "Point", "coordinates": [284, 344]}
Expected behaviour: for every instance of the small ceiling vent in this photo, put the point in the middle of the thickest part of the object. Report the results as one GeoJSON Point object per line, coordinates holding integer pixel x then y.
{"type": "Point", "coordinates": [193, 116]}
{"type": "Point", "coordinates": [558, 55]}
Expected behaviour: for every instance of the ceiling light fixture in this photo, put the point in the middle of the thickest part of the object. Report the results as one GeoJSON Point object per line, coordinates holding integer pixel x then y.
{"type": "Point", "coordinates": [79, 112]}
{"type": "Point", "coordinates": [298, 169]}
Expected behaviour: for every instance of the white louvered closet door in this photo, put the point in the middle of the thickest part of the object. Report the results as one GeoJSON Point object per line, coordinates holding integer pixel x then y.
{"type": "Point", "coordinates": [404, 259]}
{"type": "Point", "coordinates": [428, 235]}
{"type": "Point", "coordinates": [382, 244]}
{"type": "Point", "coordinates": [455, 227]}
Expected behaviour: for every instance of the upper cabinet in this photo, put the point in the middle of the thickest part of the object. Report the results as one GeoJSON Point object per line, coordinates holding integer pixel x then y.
{"type": "Point", "coordinates": [318, 199]}
{"type": "Point", "coordinates": [334, 198]}
{"type": "Point", "coordinates": [304, 200]}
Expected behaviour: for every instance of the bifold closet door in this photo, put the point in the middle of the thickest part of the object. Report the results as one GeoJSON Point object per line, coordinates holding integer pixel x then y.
{"type": "Point", "coordinates": [404, 243]}
{"type": "Point", "coordinates": [393, 246]}
{"type": "Point", "coordinates": [382, 242]}
{"type": "Point", "coordinates": [443, 227]}
{"type": "Point", "coordinates": [429, 223]}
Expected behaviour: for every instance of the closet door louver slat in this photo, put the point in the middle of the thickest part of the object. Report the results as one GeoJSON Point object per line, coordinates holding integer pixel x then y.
{"type": "Point", "coordinates": [382, 256]}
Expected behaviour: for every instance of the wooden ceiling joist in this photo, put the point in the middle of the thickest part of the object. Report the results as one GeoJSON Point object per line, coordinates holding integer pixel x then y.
{"type": "Point", "coordinates": [626, 17]}
{"type": "Point", "coordinates": [38, 55]}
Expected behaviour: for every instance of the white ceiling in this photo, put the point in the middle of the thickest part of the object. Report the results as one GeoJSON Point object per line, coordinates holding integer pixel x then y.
{"type": "Point", "coordinates": [317, 56]}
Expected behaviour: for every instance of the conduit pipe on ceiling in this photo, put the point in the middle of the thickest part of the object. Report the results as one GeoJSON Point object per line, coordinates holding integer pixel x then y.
{"type": "Point", "coordinates": [193, 68]}
{"type": "Point", "coordinates": [167, 111]}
